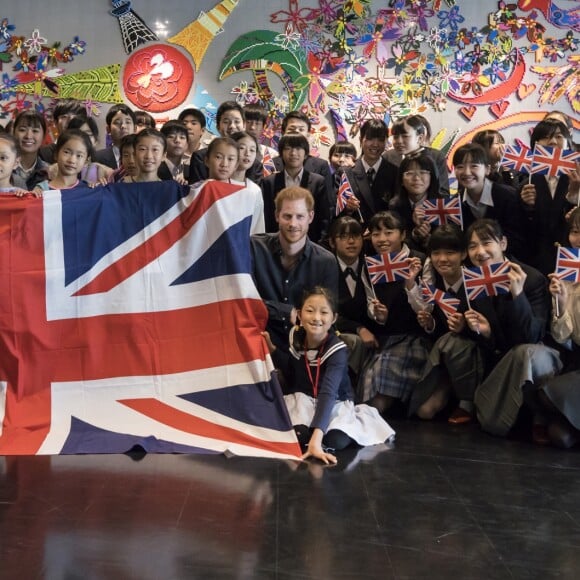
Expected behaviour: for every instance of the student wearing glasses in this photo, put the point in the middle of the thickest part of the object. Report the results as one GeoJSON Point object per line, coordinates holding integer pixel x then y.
{"type": "Point", "coordinates": [417, 180]}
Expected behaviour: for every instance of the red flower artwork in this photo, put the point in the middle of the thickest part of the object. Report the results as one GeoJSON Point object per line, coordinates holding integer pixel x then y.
{"type": "Point", "coordinates": [157, 78]}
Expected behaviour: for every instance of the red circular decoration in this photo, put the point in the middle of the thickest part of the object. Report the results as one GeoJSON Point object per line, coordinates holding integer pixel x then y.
{"type": "Point", "coordinates": [157, 78]}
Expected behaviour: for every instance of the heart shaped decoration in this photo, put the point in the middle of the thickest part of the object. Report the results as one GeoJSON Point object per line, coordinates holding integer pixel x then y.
{"type": "Point", "coordinates": [498, 109]}
{"type": "Point", "coordinates": [524, 90]}
{"type": "Point", "coordinates": [468, 111]}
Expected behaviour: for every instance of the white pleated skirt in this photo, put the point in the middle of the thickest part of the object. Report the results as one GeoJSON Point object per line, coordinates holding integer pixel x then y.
{"type": "Point", "coordinates": [360, 422]}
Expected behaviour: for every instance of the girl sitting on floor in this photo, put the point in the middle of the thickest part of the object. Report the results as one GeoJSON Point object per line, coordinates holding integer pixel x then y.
{"type": "Point", "coordinates": [318, 392]}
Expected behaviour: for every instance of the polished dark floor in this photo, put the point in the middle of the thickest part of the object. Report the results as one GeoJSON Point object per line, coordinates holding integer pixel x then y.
{"type": "Point", "coordinates": [443, 502]}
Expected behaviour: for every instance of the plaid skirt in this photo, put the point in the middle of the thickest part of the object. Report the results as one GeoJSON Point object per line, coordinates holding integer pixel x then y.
{"type": "Point", "coordinates": [396, 368]}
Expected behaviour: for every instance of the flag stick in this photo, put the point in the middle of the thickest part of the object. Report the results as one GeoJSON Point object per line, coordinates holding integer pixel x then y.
{"type": "Point", "coordinates": [369, 277]}
{"type": "Point", "coordinates": [467, 298]}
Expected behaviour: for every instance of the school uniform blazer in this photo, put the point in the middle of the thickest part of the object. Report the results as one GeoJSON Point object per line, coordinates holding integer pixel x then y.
{"type": "Point", "coordinates": [197, 167]}
{"type": "Point", "coordinates": [352, 310]}
{"type": "Point", "coordinates": [165, 174]}
{"type": "Point", "coordinates": [376, 198]}
{"type": "Point", "coordinates": [313, 165]}
{"type": "Point", "coordinates": [507, 210]}
{"type": "Point", "coordinates": [546, 223]}
{"type": "Point", "coordinates": [106, 157]}
{"type": "Point", "coordinates": [402, 319]}
{"type": "Point", "coordinates": [518, 320]}
{"type": "Point", "coordinates": [314, 183]}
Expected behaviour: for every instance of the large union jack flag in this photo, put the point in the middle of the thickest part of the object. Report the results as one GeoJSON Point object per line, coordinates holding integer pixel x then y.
{"type": "Point", "coordinates": [388, 267]}
{"type": "Point", "coordinates": [553, 161]}
{"type": "Point", "coordinates": [568, 264]}
{"type": "Point", "coordinates": [443, 211]}
{"type": "Point", "coordinates": [447, 303]}
{"type": "Point", "coordinates": [518, 158]}
{"type": "Point", "coordinates": [487, 280]}
{"type": "Point", "coordinates": [129, 317]}
{"type": "Point", "coordinates": [345, 193]}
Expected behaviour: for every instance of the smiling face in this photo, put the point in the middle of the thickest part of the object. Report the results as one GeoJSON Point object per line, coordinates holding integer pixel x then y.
{"type": "Point", "coordinates": [448, 264]}
{"type": "Point", "coordinates": [471, 175]}
{"type": "Point", "coordinates": [293, 220]}
{"type": "Point", "coordinates": [316, 316]}
{"type": "Point", "coordinates": [407, 140]}
{"type": "Point", "coordinates": [372, 149]}
{"type": "Point", "coordinates": [248, 150]}
{"type": "Point", "coordinates": [8, 160]}
{"type": "Point", "coordinates": [416, 181]}
{"type": "Point", "coordinates": [386, 240]}
{"type": "Point", "coordinates": [29, 137]}
{"type": "Point", "coordinates": [71, 157]}
{"type": "Point", "coordinates": [149, 153]}
{"type": "Point", "coordinates": [485, 251]}
{"type": "Point", "coordinates": [231, 122]}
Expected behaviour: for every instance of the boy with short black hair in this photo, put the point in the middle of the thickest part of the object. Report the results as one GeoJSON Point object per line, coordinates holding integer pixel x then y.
{"type": "Point", "coordinates": [293, 150]}
{"type": "Point", "coordinates": [176, 164]}
{"type": "Point", "coordinates": [120, 121]}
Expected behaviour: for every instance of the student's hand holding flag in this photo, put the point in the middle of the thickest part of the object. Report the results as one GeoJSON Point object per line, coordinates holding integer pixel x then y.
{"type": "Point", "coordinates": [352, 204]}
{"type": "Point", "coordinates": [559, 291]}
{"type": "Point", "coordinates": [477, 322]}
{"type": "Point", "coordinates": [380, 311]}
{"type": "Point", "coordinates": [517, 279]}
{"type": "Point", "coordinates": [415, 268]}
{"type": "Point", "coordinates": [426, 320]}
{"type": "Point", "coordinates": [528, 194]}
{"type": "Point", "coordinates": [419, 215]}
{"type": "Point", "coordinates": [456, 322]}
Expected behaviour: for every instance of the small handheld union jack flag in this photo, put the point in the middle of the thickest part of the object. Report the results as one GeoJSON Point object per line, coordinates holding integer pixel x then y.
{"type": "Point", "coordinates": [268, 164]}
{"type": "Point", "coordinates": [568, 264]}
{"type": "Point", "coordinates": [487, 280]}
{"type": "Point", "coordinates": [553, 161]}
{"type": "Point", "coordinates": [443, 211]}
{"type": "Point", "coordinates": [518, 158]}
{"type": "Point", "coordinates": [345, 193]}
{"type": "Point", "coordinates": [447, 303]}
{"type": "Point", "coordinates": [388, 267]}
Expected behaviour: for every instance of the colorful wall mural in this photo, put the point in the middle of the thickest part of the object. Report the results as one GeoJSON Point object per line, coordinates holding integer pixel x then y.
{"type": "Point", "coordinates": [462, 64]}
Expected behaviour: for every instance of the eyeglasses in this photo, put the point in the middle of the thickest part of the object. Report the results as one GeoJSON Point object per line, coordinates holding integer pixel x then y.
{"type": "Point", "coordinates": [349, 236]}
{"type": "Point", "coordinates": [417, 173]}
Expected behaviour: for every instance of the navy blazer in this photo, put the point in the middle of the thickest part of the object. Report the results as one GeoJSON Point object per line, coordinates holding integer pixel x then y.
{"type": "Point", "coordinates": [507, 210]}
{"type": "Point", "coordinates": [517, 321]}
{"type": "Point", "coordinates": [314, 165]}
{"type": "Point", "coordinates": [352, 310]}
{"type": "Point", "coordinates": [546, 223]}
{"type": "Point", "coordinates": [376, 198]}
{"type": "Point", "coordinates": [314, 183]}
{"type": "Point", "coordinates": [106, 157]}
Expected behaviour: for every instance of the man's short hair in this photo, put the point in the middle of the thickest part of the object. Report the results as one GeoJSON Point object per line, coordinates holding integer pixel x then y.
{"type": "Point", "coordinates": [172, 127]}
{"type": "Point", "coordinates": [294, 141]}
{"type": "Point", "coordinates": [295, 115]}
{"type": "Point", "coordinates": [120, 108]}
{"type": "Point", "coordinates": [191, 112]}
{"type": "Point", "coordinates": [294, 193]}
{"type": "Point", "coordinates": [228, 106]}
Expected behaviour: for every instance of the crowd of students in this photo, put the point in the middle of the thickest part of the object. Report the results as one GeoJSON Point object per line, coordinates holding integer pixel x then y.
{"type": "Point", "coordinates": [350, 352]}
